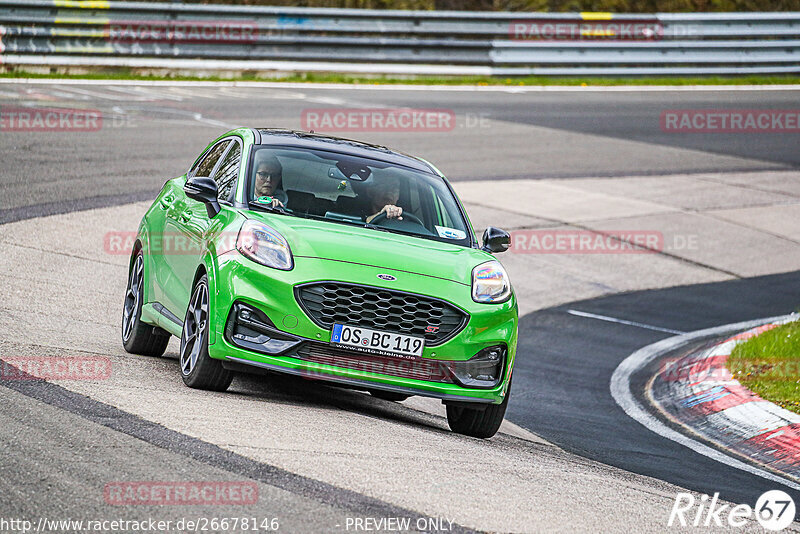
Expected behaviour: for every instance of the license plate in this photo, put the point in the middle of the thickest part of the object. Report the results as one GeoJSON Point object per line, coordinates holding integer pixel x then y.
{"type": "Point", "coordinates": [376, 341]}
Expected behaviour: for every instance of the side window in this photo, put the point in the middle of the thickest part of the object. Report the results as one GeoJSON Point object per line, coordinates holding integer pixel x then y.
{"type": "Point", "coordinates": [206, 165]}
{"type": "Point", "coordinates": [228, 172]}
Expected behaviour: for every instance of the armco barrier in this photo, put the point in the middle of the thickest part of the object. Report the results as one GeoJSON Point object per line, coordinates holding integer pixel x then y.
{"type": "Point", "coordinates": [187, 36]}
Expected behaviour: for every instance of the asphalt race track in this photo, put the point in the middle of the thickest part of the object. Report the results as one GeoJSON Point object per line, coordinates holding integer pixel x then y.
{"type": "Point", "coordinates": [575, 357]}
{"type": "Point", "coordinates": [569, 134]}
{"type": "Point", "coordinates": [571, 459]}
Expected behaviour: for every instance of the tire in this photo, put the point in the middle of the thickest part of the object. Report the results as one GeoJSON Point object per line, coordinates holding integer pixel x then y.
{"type": "Point", "coordinates": [477, 422]}
{"type": "Point", "coordinates": [388, 395]}
{"type": "Point", "coordinates": [198, 369]}
{"type": "Point", "coordinates": [139, 337]}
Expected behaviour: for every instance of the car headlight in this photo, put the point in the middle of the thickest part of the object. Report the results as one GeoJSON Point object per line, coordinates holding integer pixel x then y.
{"type": "Point", "coordinates": [490, 283]}
{"type": "Point", "coordinates": [264, 245]}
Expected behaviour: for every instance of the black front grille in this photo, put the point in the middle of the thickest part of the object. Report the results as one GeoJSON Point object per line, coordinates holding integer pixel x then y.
{"type": "Point", "coordinates": [327, 303]}
{"type": "Point", "coordinates": [414, 368]}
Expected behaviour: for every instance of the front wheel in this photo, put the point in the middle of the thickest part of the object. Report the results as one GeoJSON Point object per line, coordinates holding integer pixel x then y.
{"type": "Point", "coordinates": [477, 422]}
{"type": "Point", "coordinates": [198, 369]}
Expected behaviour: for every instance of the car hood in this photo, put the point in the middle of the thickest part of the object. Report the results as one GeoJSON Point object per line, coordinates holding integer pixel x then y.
{"type": "Point", "coordinates": [340, 242]}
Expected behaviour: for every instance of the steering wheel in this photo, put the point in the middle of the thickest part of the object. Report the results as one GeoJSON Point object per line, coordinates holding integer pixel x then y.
{"type": "Point", "coordinates": [406, 216]}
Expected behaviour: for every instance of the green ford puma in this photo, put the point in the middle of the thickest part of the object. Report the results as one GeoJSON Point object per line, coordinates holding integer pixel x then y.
{"type": "Point", "coordinates": [330, 259]}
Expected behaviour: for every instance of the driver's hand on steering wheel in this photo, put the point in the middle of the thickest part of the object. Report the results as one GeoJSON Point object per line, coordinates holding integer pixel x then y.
{"type": "Point", "coordinates": [392, 212]}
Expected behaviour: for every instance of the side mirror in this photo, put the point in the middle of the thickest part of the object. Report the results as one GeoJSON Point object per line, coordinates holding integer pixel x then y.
{"type": "Point", "coordinates": [495, 240]}
{"type": "Point", "coordinates": [203, 190]}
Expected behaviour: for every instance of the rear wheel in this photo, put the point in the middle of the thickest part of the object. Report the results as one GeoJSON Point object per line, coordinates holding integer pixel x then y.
{"type": "Point", "coordinates": [198, 369]}
{"type": "Point", "coordinates": [477, 422]}
{"type": "Point", "coordinates": [138, 337]}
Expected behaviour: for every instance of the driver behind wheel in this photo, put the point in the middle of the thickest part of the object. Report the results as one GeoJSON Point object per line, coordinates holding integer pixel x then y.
{"type": "Point", "coordinates": [382, 197]}
{"type": "Point", "coordinates": [269, 181]}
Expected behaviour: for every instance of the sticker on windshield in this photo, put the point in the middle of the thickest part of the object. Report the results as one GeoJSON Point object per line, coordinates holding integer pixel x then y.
{"type": "Point", "coordinates": [264, 200]}
{"type": "Point", "coordinates": [450, 233]}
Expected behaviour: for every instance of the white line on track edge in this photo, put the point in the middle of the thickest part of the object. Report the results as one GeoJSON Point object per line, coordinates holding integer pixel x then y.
{"type": "Point", "coordinates": [403, 87]}
{"type": "Point", "coordinates": [623, 321]}
{"type": "Point", "coordinates": [621, 391]}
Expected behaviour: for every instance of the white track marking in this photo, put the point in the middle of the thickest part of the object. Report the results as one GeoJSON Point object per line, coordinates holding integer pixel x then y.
{"type": "Point", "coordinates": [213, 122]}
{"type": "Point", "coordinates": [147, 95]}
{"type": "Point", "coordinates": [97, 94]}
{"type": "Point", "coordinates": [621, 391]}
{"type": "Point", "coordinates": [623, 321]}
{"type": "Point", "coordinates": [400, 87]}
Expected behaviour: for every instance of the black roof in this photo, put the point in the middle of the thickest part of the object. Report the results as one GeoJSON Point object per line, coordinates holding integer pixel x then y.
{"type": "Point", "coordinates": [277, 136]}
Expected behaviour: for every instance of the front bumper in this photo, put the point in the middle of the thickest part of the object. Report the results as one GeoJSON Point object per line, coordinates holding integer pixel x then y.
{"type": "Point", "coordinates": [272, 292]}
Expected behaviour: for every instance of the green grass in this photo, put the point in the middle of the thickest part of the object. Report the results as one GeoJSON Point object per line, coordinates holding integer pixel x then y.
{"type": "Point", "coordinates": [128, 74]}
{"type": "Point", "coordinates": [769, 365]}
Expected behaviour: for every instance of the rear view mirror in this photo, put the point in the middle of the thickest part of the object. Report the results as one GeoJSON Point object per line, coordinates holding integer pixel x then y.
{"type": "Point", "coordinates": [336, 174]}
{"type": "Point", "coordinates": [353, 170]}
{"type": "Point", "coordinates": [495, 240]}
{"type": "Point", "coordinates": [203, 190]}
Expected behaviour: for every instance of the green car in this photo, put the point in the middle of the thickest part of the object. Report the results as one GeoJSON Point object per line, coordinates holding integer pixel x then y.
{"type": "Point", "coordinates": [331, 259]}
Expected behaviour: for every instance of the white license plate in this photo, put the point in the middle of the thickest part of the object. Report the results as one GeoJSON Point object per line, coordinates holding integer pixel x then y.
{"type": "Point", "coordinates": [376, 341]}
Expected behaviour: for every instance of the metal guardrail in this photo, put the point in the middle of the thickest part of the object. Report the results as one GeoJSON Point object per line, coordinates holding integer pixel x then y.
{"type": "Point", "coordinates": [210, 37]}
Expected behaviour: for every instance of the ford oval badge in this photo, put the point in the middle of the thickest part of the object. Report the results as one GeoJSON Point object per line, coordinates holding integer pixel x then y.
{"type": "Point", "coordinates": [387, 277]}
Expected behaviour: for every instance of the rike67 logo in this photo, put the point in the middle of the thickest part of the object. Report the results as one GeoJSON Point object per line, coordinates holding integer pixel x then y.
{"type": "Point", "coordinates": [774, 510]}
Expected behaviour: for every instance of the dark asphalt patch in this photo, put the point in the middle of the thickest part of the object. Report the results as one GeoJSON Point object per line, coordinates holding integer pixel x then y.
{"type": "Point", "coordinates": [68, 206]}
{"type": "Point", "coordinates": [175, 442]}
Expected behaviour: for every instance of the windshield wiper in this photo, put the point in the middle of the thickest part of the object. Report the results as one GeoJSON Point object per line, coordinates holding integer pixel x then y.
{"type": "Point", "coordinates": [379, 228]}
{"type": "Point", "coordinates": [302, 215]}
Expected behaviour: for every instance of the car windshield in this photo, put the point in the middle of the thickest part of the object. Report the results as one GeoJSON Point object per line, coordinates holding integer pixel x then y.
{"type": "Point", "coordinates": [353, 190]}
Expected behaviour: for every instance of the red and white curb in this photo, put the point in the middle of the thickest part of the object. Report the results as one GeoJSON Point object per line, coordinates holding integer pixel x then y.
{"type": "Point", "coordinates": [638, 362]}
{"type": "Point", "coordinates": [697, 391]}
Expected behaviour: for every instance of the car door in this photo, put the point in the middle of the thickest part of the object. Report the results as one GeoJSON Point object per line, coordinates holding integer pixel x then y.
{"type": "Point", "coordinates": [185, 223]}
{"type": "Point", "coordinates": [156, 221]}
